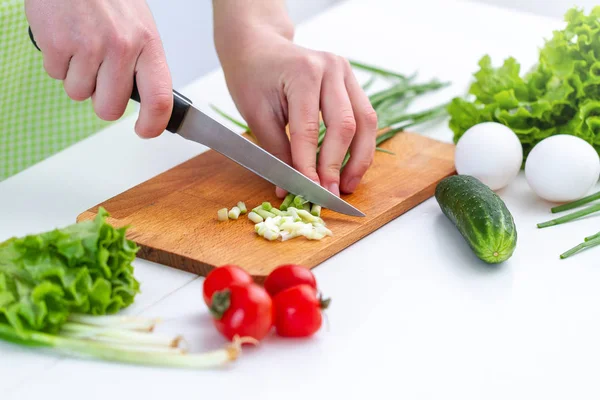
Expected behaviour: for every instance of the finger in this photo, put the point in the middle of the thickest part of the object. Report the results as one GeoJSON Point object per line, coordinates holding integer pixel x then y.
{"type": "Point", "coordinates": [338, 116]}
{"type": "Point", "coordinates": [271, 136]}
{"type": "Point", "coordinates": [80, 81]}
{"type": "Point", "coordinates": [362, 149]}
{"type": "Point", "coordinates": [56, 64]}
{"type": "Point", "coordinates": [303, 100]}
{"type": "Point", "coordinates": [114, 83]}
{"type": "Point", "coordinates": [156, 91]}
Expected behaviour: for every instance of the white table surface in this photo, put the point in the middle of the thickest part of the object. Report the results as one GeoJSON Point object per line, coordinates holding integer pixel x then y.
{"type": "Point", "coordinates": [414, 314]}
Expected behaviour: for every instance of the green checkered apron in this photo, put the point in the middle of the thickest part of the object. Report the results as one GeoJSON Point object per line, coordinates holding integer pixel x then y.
{"type": "Point", "coordinates": [37, 118]}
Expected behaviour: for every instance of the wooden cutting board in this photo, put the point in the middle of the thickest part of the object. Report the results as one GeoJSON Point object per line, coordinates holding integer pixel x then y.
{"type": "Point", "coordinates": [173, 216]}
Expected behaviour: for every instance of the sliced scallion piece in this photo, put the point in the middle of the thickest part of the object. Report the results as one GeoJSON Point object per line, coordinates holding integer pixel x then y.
{"type": "Point", "coordinates": [316, 210]}
{"type": "Point", "coordinates": [234, 213]}
{"type": "Point", "coordinates": [242, 206]}
{"type": "Point", "coordinates": [287, 202]}
{"type": "Point", "coordinates": [254, 217]}
{"type": "Point", "coordinates": [263, 213]}
{"type": "Point", "coordinates": [222, 214]}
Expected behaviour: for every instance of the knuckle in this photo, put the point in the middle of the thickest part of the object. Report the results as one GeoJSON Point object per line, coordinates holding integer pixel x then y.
{"type": "Point", "coordinates": [309, 132]}
{"type": "Point", "coordinates": [363, 164]}
{"type": "Point", "coordinates": [371, 119]}
{"type": "Point", "coordinates": [122, 45]}
{"type": "Point", "coordinates": [332, 171]}
{"type": "Point", "coordinates": [53, 71]}
{"type": "Point", "coordinates": [160, 103]}
{"type": "Point", "coordinates": [77, 92]}
{"type": "Point", "coordinates": [147, 35]}
{"type": "Point", "coordinates": [108, 112]}
{"type": "Point", "coordinates": [347, 127]}
{"type": "Point", "coordinates": [311, 66]}
{"type": "Point", "coordinates": [309, 171]}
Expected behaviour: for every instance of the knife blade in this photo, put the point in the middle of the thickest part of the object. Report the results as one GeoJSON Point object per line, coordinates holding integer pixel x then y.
{"type": "Point", "coordinates": [192, 124]}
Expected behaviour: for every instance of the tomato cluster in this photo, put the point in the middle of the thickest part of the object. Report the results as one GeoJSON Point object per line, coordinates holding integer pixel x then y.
{"type": "Point", "coordinates": [288, 301]}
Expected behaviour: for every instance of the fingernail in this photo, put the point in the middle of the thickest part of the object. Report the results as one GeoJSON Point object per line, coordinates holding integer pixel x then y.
{"type": "Point", "coordinates": [352, 184]}
{"type": "Point", "coordinates": [334, 188]}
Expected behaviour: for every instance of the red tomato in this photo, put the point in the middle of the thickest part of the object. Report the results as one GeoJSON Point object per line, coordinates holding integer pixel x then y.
{"type": "Point", "coordinates": [287, 276]}
{"type": "Point", "coordinates": [298, 311]}
{"type": "Point", "coordinates": [221, 278]}
{"type": "Point", "coordinates": [243, 310]}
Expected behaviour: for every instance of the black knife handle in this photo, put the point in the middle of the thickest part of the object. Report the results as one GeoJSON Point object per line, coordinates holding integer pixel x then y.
{"type": "Point", "coordinates": [181, 104]}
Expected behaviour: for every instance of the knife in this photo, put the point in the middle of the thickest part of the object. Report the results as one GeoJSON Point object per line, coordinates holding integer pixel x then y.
{"type": "Point", "coordinates": [192, 124]}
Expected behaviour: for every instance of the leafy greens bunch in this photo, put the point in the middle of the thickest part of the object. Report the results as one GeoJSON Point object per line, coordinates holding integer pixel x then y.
{"type": "Point", "coordinates": [560, 95]}
{"type": "Point", "coordinates": [84, 268]}
{"type": "Point", "coordinates": [59, 289]}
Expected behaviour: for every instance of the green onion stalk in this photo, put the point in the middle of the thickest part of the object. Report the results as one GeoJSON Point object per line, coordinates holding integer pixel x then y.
{"type": "Point", "coordinates": [120, 341]}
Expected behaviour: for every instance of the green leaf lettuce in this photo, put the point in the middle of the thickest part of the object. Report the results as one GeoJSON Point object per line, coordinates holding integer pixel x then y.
{"type": "Point", "coordinates": [82, 268]}
{"type": "Point", "coordinates": [560, 95]}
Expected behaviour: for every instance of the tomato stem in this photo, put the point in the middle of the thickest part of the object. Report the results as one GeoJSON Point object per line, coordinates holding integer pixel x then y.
{"type": "Point", "coordinates": [221, 300]}
{"type": "Point", "coordinates": [324, 303]}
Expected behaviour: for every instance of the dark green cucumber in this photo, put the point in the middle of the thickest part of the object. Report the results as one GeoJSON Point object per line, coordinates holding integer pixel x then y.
{"type": "Point", "coordinates": [480, 216]}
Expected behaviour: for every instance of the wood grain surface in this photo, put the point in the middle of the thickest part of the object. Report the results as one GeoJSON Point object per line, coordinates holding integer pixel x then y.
{"type": "Point", "coordinates": [173, 216]}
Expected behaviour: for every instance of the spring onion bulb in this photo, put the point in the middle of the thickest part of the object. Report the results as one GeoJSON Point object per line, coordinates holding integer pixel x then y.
{"type": "Point", "coordinates": [234, 213]}
{"type": "Point", "coordinates": [242, 206]}
{"type": "Point", "coordinates": [222, 214]}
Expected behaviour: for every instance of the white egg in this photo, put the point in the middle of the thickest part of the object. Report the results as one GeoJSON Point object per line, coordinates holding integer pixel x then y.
{"type": "Point", "coordinates": [562, 168]}
{"type": "Point", "coordinates": [490, 152]}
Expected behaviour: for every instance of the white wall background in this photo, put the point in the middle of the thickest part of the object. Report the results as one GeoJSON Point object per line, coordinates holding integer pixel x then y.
{"type": "Point", "coordinates": [186, 27]}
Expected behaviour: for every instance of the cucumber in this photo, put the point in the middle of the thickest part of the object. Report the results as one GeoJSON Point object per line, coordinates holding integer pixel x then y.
{"type": "Point", "coordinates": [480, 216]}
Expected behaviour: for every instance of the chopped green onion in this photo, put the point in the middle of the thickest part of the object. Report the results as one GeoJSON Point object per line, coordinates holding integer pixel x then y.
{"type": "Point", "coordinates": [276, 211]}
{"type": "Point", "coordinates": [222, 214]}
{"type": "Point", "coordinates": [306, 207]}
{"type": "Point", "coordinates": [299, 201]}
{"type": "Point", "coordinates": [316, 210]}
{"type": "Point", "coordinates": [266, 206]}
{"type": "Point", "coordinates": [242, 206]}
{"type": "Point", "coordinates": [307, 216]}
{"type": "Point", "coordinates": [287, 202]}
{"type": "Point", "coordinates": [234, 213]}
{"type": "Point", "coordinates": [254, 217]}
{"type": "Point", "coordinates": [263, 213]}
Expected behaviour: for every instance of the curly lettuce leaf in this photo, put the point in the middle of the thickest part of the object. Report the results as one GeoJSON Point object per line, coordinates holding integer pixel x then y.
{"type": "Point", "coordinates": [559, 95]}
{"type": "Point", "coordinates": [85, 268]}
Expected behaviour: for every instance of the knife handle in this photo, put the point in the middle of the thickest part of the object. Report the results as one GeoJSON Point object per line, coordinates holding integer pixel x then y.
{"type": "Point", "coordinates": [181, 104]}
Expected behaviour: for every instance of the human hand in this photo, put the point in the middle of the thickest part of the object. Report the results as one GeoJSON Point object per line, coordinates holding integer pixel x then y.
{"type": "Point", "coordinates": [274, 82]}
{"type": "Point", "coordinates": [97, 47]}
